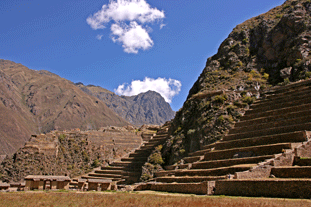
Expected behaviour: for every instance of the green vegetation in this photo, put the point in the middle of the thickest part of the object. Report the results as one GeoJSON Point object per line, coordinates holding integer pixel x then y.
{"type": "Point", "coordinates": [61, 137]}
{"type": "Point", "coordinates": [219, 99]}
{"type": "Point", "coordinates": [191, 132]}
{"type": "Point", "coordinates": [279, 16]}
{"type": "Point", "coordinates": [245, 40]}
{"type": "Point", "coordinates": [145, 177]}
{"type": "Point", "coordinates": [266, 76]}
{"type": "Point", "coordinates": [156, 158]}
{"type": "Point", "coordinates": [96, 163]}
{"type": "Point", "coordinates": [305, 158]}
{"type": "Point", "coordinates": [247, 51]}
{"type": "Point", "coordinates": [285, 82]}
{"type": "Point", "coordinates": [249, 100]}
{"type": "Point", "coordinates": [286, 6]}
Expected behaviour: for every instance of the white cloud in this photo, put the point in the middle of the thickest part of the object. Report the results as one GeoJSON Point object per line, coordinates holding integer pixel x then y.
{"type": "Point", "coordinates": [99, 37]}
{"type": "Point", "coordinates": [128, 17]}
{"type": "Point", "coordinates": [162, 25]}
{"type": "Point", "coordinates": [124, 10]}
{"type": "Point", "coordinates": [168, 88]}
{"type": "Point", "coordinates": [132, 37]}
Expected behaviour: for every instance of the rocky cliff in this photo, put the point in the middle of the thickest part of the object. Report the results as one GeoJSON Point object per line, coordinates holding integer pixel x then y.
{"type": "Point", "coordinates": [145, 108]}
{"type": "Point", "coordinates": [39, 101]}
{"type": "Point", "coordinates": [270, 49]}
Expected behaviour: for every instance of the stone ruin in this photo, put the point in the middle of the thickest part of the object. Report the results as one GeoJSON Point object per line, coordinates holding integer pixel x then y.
{"type": "Point", "coordinates": [267, 153]}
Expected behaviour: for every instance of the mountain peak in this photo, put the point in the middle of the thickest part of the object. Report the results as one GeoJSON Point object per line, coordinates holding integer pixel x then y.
{"type": "Point", "coordinates": [145, 108]}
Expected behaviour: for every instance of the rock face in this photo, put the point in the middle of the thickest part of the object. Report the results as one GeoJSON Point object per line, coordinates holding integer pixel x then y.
{"type": "Point", "coordinates": [39, 101]}
{"type": "Point", "coordinates": [69, 152]}
{"type": "Point", "coordinates": [270, 49]}
{"type": "Point", "coordinates": [145, 108]}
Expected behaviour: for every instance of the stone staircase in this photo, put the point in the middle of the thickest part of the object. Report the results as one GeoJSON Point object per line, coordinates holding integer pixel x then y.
{"type": "Point", "coordinates": [261, 148]}
{"type": "Point", "coordinates": [128, 169]}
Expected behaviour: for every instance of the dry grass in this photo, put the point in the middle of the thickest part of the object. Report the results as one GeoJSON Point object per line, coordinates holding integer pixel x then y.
{"type": "Point", "coordinates": [54, 199]}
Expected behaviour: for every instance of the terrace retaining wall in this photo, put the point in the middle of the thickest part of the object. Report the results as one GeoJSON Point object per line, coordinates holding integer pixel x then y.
{"type": "Point", "coordinates": [266, 188]}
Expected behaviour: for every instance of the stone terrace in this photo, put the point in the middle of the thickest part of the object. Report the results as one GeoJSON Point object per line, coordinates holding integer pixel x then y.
{"type": "Point", "coordinates": [256, 158]}
{"type": "Point", "coordinates": [128, 169]}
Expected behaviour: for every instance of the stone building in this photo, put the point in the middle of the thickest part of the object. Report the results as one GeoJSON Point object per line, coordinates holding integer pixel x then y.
{"type": "Point", "coordinates": [4, 186]}
{"type": "Point", "coordinates": [41, 182]}
{"type": "Point", "coordinates": [99, 184]}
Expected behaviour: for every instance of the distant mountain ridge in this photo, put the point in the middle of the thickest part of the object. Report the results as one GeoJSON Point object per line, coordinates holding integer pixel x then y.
{"type": "Point", "coordinates": [39, 101]}
{"type": "Point", "coordinates": [144, 108]}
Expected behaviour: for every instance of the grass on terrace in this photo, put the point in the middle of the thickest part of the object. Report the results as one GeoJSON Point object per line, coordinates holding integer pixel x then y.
{"type": "Point", "coordinates": [52, 199]}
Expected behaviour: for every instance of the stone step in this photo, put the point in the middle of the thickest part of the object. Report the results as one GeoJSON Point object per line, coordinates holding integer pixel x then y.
{"type": "Point", "coordinates": [206, 172]}
{"type": "Point", "coordinates": [271, 122]}
{"type": "Point", "coordinates": [278, 105]}
{"type": "Point", "coordinates": [131, 179]}
{"type": "Point", "coordinates": [104, 175]}
{"type": "Point", "coordinates": [270, 95]}
{"type": "Point", "coordinates": [276, 112]}
{"type": "Point", "coordinates": [132, 174]}
{"type": "Point", "coordinates": [128, 164]}
{"type": "Point", "coordinates": [144, 148]}
{"type": "Point", "coordinates": [194, 188]}
{"type": "Point", "coordinates": [164, 132]}
{"type": "Point", "coordinates": [112, 168]}
{"type": "Point", "coordinates": [229, 162]}
{"type": "Point", "coordinates": [118, 172]}
{"type": "Point", "coordinates": [193, 159]}
{"type": "Point", "coordinates": [131, 159]}
{"type": "Point", "coordinates": [156, 140]}
{"type": "Point", "coordinates": [269, 131]}
{"type": "Point", "coordinates": [140, 154]}
{"type": "Point", "coordinates": [288, 88]}
{"type": "Point", "coordinates": [187, 179]}
{"type": "Point", "coordinates": [160, 136]}
{"type": "Point", "coordinates": [126, 139]}
{"type": "Point", "coordinates": [95, 177]}
{"type": "Point", "coordinates": [297, 136]}
{"type": "Point", "coordinates": [253, 151]}
{"type": "Point", "coordinates": [179, 166]}
{"type": "Point", "coordinates": [280, 188]}
{"type": "Point", "coordinates": [301, 94]}
{"type": "Point", "coordinates": [123, 169]}
{"type": "Point", "coordinates": [302, 161]}
{"type": "Point", "coordinates": [206, 148]}
{"type": "Point", "coordinates": [153, 144]}
{"type": "Point", "coordinates": [292, 172]}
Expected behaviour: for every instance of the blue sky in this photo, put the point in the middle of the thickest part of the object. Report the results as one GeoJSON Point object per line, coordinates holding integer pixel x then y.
{"type": "Point", "coordinates": [180, 35]}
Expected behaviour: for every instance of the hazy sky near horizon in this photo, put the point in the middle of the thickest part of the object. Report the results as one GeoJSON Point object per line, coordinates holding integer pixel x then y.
{"type": "Point", "coordinates": [125, 46]}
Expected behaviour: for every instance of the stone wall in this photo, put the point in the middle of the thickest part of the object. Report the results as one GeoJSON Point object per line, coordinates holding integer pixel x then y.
{"type": "Point", "coordinates": [263, 170]}
{"type": "Point", "coordinates": [265, 188]}
{"type": "Point", "coordinates": [199, 188]}
{"type": "Point", "coordinates": [304, 150]}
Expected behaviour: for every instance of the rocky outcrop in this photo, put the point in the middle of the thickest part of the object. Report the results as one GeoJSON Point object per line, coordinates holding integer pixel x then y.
{"type": "Point", "coordinates": [69, 152]}
{"type": "Point", "coordinates": [144, 108]}
{"type": "Point", "coordinates": [270, 49]}
{"type": "Point", "coordinates": [39, 101]}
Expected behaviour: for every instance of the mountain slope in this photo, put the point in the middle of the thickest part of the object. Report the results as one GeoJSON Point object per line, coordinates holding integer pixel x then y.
{"type": "Point", "coordinates": [40, 101]}
{"type": "Point", "coordinates": [270, 49]}
{"type": "Point", "coordinates": [16, 123]}
{"type": "Point", "coordinates": [144, 108]}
